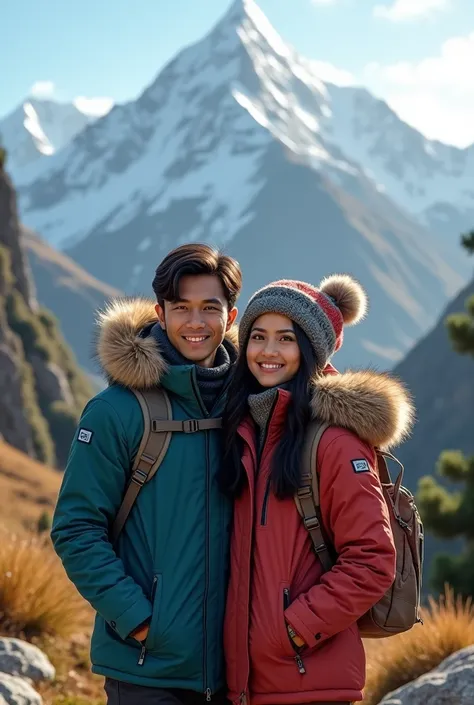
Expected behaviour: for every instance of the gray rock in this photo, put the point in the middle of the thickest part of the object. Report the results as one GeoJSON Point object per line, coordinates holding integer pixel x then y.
{"type": "Point", "coordinates": [51, 380]}
{"type": "Point", "coordinates": [17, 691]}
{"type": "Point", "coordinates": [18, 658]}
{"type": "Point", "coordinates": [452, 683]}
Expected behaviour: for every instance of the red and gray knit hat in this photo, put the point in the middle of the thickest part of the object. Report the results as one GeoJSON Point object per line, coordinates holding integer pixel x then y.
{"type": "Point", "coordinates": [320, 312]}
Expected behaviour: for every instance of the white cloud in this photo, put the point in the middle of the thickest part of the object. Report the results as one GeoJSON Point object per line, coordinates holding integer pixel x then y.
{"type": "Point", "coordinates": [435, 94]}
{"type": "Point", "coordinates": [43, 89]}
{"type": "Point", "coordinates": [406, 10]}
{"type": "Point", "coordinates": [95, 107]}
{"type": "Point", "coordinates": [328, 72]}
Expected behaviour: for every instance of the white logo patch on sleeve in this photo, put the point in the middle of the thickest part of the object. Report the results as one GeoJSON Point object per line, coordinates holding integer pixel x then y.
{"type": "Point", "coordinates": [84, 436]}
{"type": "Point", "coordinates": [360, 465]}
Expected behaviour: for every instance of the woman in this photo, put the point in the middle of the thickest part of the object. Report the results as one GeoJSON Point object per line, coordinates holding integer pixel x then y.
{"type": "Point", "coordinates": [291, 632]}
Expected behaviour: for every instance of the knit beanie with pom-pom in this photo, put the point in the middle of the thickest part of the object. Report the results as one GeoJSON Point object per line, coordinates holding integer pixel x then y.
{"type": "Point", "coordinates": [320, 312]}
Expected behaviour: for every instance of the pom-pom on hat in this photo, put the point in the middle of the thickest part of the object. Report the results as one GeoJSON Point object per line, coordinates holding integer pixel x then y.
{"type": "Point", "coordinates": [320, 312]}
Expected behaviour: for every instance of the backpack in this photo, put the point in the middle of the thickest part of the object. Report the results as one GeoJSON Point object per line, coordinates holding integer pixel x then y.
{"type": "Point", "coordinates": [399, 608]}
{"type": "Point", "coordinates": [158, 426]}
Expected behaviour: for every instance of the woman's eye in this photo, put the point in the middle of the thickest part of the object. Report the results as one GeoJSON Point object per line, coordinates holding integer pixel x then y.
{"type": "Point", "coordinates": [287, 339]}
{"type": "Point", "coordinates": [256, 336]}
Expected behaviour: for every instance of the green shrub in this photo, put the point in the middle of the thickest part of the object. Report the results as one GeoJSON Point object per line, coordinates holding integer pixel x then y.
{"type": "Point", "coordinates": [23, 321]}
{"type": "Point", "coordinates": [6, 275]}
{"type": "Point", "coordinates": [42, 441]}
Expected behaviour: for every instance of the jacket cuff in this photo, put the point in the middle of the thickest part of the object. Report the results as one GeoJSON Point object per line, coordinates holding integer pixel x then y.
{"type": "Point", "coordinates": [294, 617]}
{"type": "Point", "coordinates": [129, 620]}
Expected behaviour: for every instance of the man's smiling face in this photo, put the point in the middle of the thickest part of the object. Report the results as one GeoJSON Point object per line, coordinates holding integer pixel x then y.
{"type": "Point", "coordinates": [197, 322]}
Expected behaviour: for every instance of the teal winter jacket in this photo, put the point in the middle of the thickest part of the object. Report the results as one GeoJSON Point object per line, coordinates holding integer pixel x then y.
{"type": "Point", "coordinates": [171, 561]}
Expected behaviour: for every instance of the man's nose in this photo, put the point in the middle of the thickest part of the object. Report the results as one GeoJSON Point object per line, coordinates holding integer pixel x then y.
{"type": "Point", "coordinates": [195, 320]}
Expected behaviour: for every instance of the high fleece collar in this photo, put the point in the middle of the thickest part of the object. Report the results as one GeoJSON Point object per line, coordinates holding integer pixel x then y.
{"type": "Point", "coordinates": [125, 356]}
{"type": "Point", "coordinates": [374, 405]}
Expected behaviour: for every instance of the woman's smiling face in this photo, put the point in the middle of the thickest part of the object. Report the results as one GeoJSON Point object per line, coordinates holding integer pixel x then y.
{"type": "Point", "coordinates": [273, 354]}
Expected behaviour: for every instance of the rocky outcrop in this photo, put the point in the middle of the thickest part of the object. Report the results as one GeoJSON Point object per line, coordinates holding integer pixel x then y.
{"type": "Point", "coordinates": [10, 237]}
{"type": "Point", "coordinates": [42, 390]}
{"type": "Point", "coordinates": [452, 683]}
{"type": "Point", "coordinates": [21, 666]}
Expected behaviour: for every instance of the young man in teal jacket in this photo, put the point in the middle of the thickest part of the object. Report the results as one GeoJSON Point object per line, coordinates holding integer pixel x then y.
{"type": "Point", "coordinates": [159, 593]}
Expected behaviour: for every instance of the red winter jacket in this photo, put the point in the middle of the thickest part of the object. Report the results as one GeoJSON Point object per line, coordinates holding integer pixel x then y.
{"type": "Point", "coordinates": [275, 575]}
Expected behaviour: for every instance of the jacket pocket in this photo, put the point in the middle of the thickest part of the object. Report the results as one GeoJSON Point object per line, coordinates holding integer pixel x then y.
{"type": "Point", "coordinates": [155, 599]}
{"type": "Point", "coordinates": [288, 647]}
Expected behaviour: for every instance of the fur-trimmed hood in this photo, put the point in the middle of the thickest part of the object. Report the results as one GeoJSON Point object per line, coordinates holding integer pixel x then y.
{"type": "Point", "coordinates": [126, 356]}
{"type": "Point", "coordinates": [374, 405]}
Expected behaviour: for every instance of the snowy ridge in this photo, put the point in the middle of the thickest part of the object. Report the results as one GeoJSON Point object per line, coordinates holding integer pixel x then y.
{"type": "Point", "coordinates": [39, 128]}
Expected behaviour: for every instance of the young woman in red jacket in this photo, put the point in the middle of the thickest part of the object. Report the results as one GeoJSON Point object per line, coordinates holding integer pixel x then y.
{"type": "Point", "coordinates": [291, 632]}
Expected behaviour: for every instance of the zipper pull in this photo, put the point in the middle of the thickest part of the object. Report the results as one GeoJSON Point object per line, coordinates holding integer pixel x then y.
{"type": "Point", "coordinates": [208, 695]}
{"type": "Point", "coordinates": [141, 660]}
{"type": "Point", "coordinates": [300, 664]}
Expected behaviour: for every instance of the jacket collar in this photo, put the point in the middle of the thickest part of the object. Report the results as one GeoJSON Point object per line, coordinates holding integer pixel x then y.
{"type": "Point", "coordinates": [375, 406]}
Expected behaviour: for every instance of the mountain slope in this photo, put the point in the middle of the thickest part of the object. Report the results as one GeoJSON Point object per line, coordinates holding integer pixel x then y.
{"type": "Point", "coordinates": [42, 391]}
{"type": "Point", "coordinates": [196, 157]}
{"type": "Point", "coordinates": [71, 293]}
{"type": "Point", "coordinates": [442, 382]}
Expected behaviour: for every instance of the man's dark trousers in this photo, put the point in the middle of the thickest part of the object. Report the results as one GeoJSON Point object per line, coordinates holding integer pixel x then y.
{"type": "Point", "coordinates": [121, 693]}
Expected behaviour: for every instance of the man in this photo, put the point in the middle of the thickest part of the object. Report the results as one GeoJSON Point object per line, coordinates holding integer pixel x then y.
{"type": "Point", "coordinates": [159, 593]}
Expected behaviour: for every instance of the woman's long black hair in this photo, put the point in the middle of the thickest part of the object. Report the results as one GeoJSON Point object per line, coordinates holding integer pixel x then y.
{"type": "Point", "coordinates": [286, 462]}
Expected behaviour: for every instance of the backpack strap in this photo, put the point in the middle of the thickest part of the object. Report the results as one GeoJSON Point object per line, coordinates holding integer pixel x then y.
{"type": "Point", "coordinates": [158, 427]}
{"type": "Point", "coordinates": [307, 495]}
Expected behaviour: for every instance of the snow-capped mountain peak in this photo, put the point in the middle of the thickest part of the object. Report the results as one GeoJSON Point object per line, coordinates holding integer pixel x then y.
{"type": "Point", "coordinates": [239, 142]}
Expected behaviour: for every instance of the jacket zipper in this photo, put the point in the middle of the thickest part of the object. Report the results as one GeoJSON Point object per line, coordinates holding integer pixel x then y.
{"type": "Point", "coordinates": [141, 659]}
{"type": "Point", "coordinates": [298, 659]}
{"type": "Point", "coordinates": [207, 690]}
{"type": "Point", "coordinates": [263, 520]}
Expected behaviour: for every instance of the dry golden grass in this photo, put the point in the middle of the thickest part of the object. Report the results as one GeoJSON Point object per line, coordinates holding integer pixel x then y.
{"type": "Point", "coordinates": [74, 683]}
{"type": "Point", "coordinates": [27, 489]}
{"type": "Point", "coordinates": [37, 601]}
{"type": "Point", "coordinates": [391, 663]}
{"type": "Point", "coordinates": [36, 596]}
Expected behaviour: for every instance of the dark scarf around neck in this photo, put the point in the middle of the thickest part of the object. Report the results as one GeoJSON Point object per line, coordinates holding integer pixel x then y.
{"type": "Point", "coordinates": [210, 379]}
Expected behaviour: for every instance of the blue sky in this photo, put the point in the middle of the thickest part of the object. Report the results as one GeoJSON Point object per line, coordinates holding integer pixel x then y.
{"type": "Point", "coordinates": [417, 54]}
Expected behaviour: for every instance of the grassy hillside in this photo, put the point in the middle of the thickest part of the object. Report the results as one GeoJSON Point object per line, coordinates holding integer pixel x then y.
{"type": "Point", "coordinates": [28, 490]}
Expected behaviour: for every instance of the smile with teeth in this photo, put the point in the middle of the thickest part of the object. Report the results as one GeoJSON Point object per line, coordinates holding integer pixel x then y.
{"type": "Point", "coordinates": [270, 366]}
{"type": "Point", "coordinates": [196, 338]}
